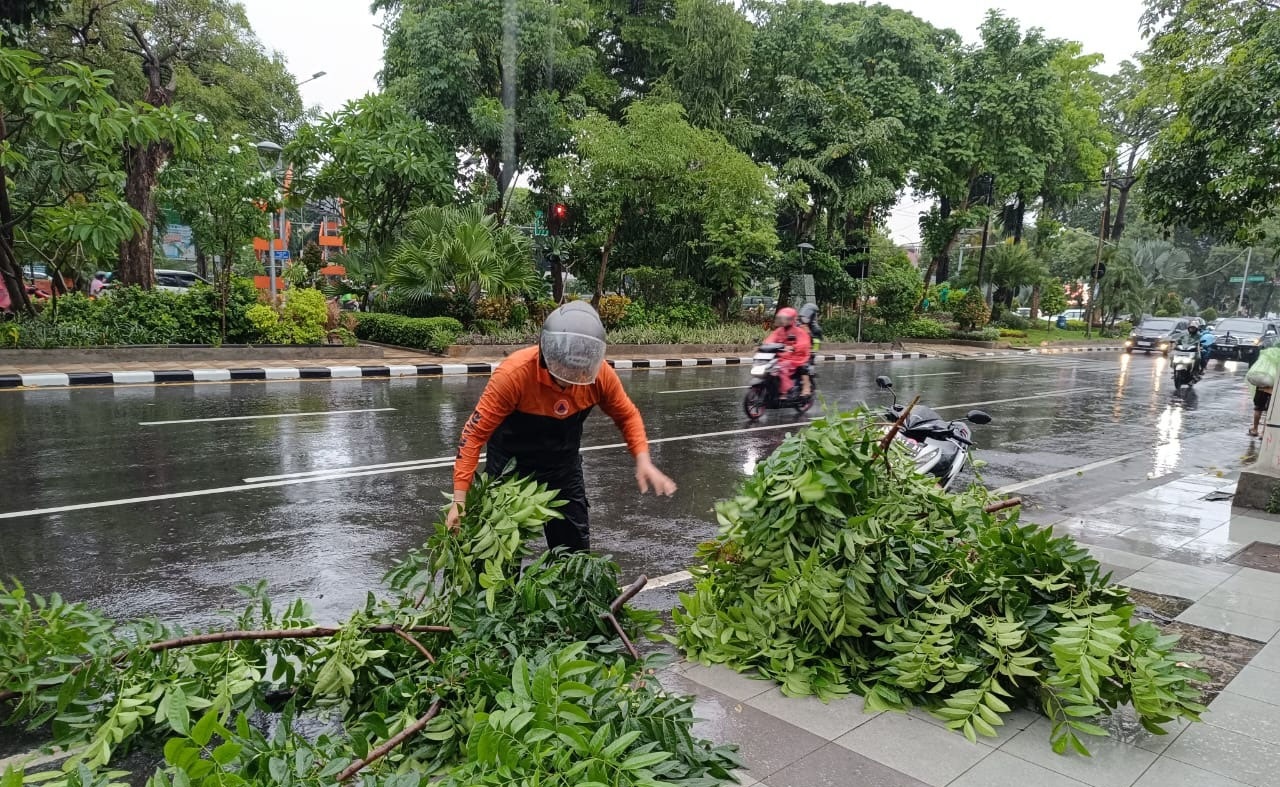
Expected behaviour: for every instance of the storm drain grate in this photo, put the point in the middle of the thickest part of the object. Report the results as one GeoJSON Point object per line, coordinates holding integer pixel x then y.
{"type": "Point", "coordinates": [1259, 555]}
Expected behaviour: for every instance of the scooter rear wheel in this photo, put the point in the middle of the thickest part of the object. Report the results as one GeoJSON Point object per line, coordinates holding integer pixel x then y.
{"type": "Point", "coordinates": [755, 402]}
{"type": "Point", "coordinates": [805, 402]}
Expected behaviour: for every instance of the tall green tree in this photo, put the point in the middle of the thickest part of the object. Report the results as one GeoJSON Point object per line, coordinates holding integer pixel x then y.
{"type": "Point", "coordinates": [379, 160]}
{"type": "Point", "coordinates": [502, 80]}
{"type": "Point", "coordinates": [1216, 166]}
{"type": "Point", "coordinates": [655, 174]}
{"type": "Point", "coordinates": [60, 176]}
{"type": "Point", "coordinates": [226, 199]}
{"type": "Point", "coordinates": [200, 55]}
{"type": "Point", "coordinates": [1008, 99]}
{"type": "Point", "coordinates": [708, 64]}
{"type": "Point", "coordinates": [843, 101]}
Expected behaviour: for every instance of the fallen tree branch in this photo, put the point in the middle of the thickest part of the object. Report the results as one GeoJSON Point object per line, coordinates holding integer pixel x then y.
{"type": "Point", "coordinates": [615, 608]}
{"type": "Point", "coordinates": [1001, 505]}
{"type": "Point", "coordinates": [303, 633]}
{"type": "Point", "coordinates": [407, 637]}
{"type": "Point", "coordinates": [392, 742]}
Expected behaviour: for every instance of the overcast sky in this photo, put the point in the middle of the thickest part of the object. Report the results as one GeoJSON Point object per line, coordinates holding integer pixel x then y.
{"type": "Point", "coordinates": [341, 38]}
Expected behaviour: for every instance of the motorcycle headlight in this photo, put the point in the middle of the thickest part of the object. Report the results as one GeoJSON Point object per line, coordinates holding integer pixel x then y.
{"type": "Point", "coordinates": [1164, 345]}
{"type": "Point", "coordinates": [1258, 340]}
{"type": "Point", "coordinates": [1128, 342]}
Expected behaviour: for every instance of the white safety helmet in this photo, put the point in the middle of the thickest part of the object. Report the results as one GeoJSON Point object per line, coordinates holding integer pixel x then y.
{"type": "Point", "coordinates": [572, 343]}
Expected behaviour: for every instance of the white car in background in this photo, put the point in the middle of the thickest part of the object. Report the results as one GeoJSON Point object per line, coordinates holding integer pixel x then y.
{"type": "Point", "coordinates": [177, 281]}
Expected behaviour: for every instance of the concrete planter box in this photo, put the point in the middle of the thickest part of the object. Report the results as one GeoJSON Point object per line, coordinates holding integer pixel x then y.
{"type": "Point", "coordinates": [186, 353]}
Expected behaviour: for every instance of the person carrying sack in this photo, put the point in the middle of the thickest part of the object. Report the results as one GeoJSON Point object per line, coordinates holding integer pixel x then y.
{"type": "Point", "coordinates": [1262, 376]}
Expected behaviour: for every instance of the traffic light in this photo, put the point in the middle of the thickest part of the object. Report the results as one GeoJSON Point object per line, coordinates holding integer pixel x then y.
{"type": "Point", "coordinates": [558, 214]}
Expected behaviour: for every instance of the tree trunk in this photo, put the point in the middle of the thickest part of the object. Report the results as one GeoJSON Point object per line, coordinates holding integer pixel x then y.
{"type": "Point", "coordinates": [1035, 303]}
{"type": "Point", "coordinates": [142, 168]}
{"type": "Point", "coordinates": [202, 263]}
{"type": "Point", "coordinates": [557, 279]}
{"type": "Point", "coordinates": [1019, 212]}
{"type": "Point", "coordinates": [1126, 183]}
{"type": "Point", "coordinates": [940, 264]}
{"type": "Point", "coordinates": [10, 270]}
{"type": "Point", "coordinates": [604, 263]}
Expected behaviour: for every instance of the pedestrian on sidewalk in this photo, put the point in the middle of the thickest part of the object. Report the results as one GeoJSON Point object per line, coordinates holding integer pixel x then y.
{"type": "Point", "coordinates": [1262, 376]}
{"type": "Point", "coordinates": [532, 410]}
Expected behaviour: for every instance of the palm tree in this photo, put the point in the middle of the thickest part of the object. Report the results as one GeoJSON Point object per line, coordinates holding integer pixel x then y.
{"type": "Point", "coordinates": [1010, 266]}
{"type": "Point", "coordinates": [1162, 264]}
{"type": "Point", "coordinates": [462, 250]}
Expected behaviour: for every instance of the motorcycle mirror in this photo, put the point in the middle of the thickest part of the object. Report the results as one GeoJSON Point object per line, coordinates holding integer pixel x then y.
{"type": "Point", "coordinates": [884, 382]}
{"type": "Point", "coordinates": [978, 417]}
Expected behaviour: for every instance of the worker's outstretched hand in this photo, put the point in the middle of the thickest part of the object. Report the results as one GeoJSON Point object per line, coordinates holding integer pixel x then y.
{"type": "Point", "coordinates": [453, 519]}
{"type": "Point", "coordinates": [650, 477]}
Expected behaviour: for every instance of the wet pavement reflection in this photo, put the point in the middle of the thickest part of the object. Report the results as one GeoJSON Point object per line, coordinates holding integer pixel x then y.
{"type": "Point", "coordinates": [179, 554]}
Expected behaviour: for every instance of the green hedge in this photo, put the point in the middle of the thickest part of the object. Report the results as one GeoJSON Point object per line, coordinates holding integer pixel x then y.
{"type": "Point", "coordinates": [423, 333]}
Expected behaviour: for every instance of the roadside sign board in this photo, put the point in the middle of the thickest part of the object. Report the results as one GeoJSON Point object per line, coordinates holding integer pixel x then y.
{"type": "Point", "coordinates": [282, 254]}
{"type": "Point", "coordinates": [1255, 279]}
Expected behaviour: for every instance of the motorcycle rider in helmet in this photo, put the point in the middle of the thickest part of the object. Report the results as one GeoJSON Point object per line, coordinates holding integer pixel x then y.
{"type": "Point", "coordinates": [1201, 334]}
{"type": "Point", "coordinates": [532, 412]}
{"type": "Point", "coordinates": [808, 318]}
{"type": "Point", "coordinates": [796, 354]}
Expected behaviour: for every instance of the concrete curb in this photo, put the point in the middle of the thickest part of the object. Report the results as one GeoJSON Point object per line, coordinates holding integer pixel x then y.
{"type": "Point", "coordinates": [163, 376]}
{"type": "Point", "coordinates": [1041, 351]}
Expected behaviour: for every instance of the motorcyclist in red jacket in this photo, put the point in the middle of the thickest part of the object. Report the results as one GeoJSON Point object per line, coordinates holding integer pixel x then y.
{"type": "Point", "coordinates": [796, 354]}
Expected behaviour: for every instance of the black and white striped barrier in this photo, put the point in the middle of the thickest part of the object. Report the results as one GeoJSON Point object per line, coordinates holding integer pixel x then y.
{"type": "Point", "coordinates": [72, 379]}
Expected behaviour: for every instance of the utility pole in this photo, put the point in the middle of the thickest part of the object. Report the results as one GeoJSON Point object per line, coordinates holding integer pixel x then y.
{"type": "Point", "coordinates": [1097, 258]}
{"type": "Point", "coordinates": [1244, 280]}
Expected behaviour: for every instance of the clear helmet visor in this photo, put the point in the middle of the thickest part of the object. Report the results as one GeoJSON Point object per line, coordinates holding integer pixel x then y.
{"type": "Point", "coordinates": [573, 358]}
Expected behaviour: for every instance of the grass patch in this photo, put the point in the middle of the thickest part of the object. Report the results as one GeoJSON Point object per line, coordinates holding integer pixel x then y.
{"type": "Point", "coordinates": [1034, 337]}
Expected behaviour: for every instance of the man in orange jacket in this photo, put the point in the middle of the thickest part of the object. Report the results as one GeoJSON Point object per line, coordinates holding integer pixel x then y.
{"type": "Point", "coordinates": [532, 412]}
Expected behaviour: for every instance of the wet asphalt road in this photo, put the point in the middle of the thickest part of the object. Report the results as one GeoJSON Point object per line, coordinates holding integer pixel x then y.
{"type": "Point", "coordinates": [330, 540]}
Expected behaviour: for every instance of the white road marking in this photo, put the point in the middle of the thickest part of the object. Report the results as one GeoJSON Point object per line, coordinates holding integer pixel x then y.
{"type": "Point", "coordinates": [695, 390]}
{"type": "Point", "coordinates": [667, 579]}
{"type": "Point", "coordinates": [930, 374]}
{"type": "Point", "coordinates": [340, 474]}
{"type": "Point", "coordinates": [331, 470]}
{"type": "Point", "coordinates": [1071, 471]}
{"type": "Point", "coordinates": [1016, 399]}
{"type": "Point", "coordinates": [259, 417]}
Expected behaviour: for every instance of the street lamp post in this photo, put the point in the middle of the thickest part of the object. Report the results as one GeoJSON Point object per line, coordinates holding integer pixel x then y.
{"type": "Point", "coordinates": [803, 247]}
{"type": "Point", "coordinates": [312, 78]}
{"type": "Point", "coordinates": [266, 149]}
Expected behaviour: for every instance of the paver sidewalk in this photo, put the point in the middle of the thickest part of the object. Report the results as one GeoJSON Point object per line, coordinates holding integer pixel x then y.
{"type": "Point", "coordinates": [1170, 540]}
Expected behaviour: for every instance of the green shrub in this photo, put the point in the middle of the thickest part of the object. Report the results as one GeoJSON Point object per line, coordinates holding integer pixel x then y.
{"type": "Point", "coordinates": [925, 328]}
{"type": "Point", "coordinates": [458, 306]}
{"type": "Point", "coordinates": [1076, 325]}
{"type": "Point", "coordinates": [898, 289]}
{"type": "Point", "coordinates": [971, 311]}
{"type": "Point", "coordinates": [300, 321]}
{"type": "Point", "coordinates": [1209, 315]}
{"type": "Point", "coordinates": [422, 333]}
{"type": "Point", "coordinates": [613, 310]}
{"type": "Point", "coordinates": [1010, 333]}
{"type": "Point", "coordinates": [1014, 321]}
{"type": "Point", "coordinates": [691, 314]}
{"type": "Point", "coordinates": [844, 328]}
{"type": "Point", "coordinates": [131, 315]}
{"type": "Point", "coordinates": [988, 334]}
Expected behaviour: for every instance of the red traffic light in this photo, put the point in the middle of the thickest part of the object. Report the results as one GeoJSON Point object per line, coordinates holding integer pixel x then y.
{"type": "Point", "coordinates": [559, 210]}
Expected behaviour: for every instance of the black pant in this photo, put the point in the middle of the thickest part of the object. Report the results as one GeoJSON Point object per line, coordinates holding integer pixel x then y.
{"type": "Point", "coordinates": [573, 530]}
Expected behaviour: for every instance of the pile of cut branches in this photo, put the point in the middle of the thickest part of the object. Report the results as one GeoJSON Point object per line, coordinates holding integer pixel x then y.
{"type": "Point", "coordinates": [838, 569]}
{"type": "Point", "coordinates": [468, 670]}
